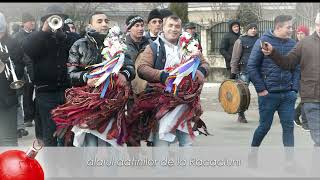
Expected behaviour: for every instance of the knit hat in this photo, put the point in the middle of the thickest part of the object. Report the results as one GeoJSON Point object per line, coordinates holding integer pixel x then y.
{"type": "Point", "coordinates": [165, 13]}
{"type": "Point", "coordinates": [303, 29]}
{"type": "Point", "coordinates": [53, 10]}
{"type": "Point", "coordinates": [251, 25]}
{"type": "Point", "coordinates": [3, 23]}
{"type": "Point", "coordinates": [155, 13]}
{"type": "Point", "coordinates": [26, 17]}
{"type": "Point", "coordinates": [317, 21]}
{"type": "Point", "coordinates": [132, 20]}
{"type": "Point", "coordinates": [68, 21]}
{"type": "Point", "coordinates": [190, 25]}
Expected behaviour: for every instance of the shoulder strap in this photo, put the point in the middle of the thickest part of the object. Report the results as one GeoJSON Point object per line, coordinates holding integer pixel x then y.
{"type": "Point", "coordinates": [159, 52]}
{"type": "Point", "coordinates": [155, 52]}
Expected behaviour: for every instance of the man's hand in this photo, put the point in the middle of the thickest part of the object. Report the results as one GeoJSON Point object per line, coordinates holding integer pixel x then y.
{"type": "Point", "coordinates": [263, 93]}
{"type": "Point", "coordinates": [45, 26]}
{"type": "Point", "coordinates": [195, 53]}
{"type": "Point", "coordinates": [199, 77]}
{"type": "Point", "coordinates": [122, 81]}
{"type": "Point", "coordinates": [267, 49]}
{"type": "Point", "coordinates": [92, 81]}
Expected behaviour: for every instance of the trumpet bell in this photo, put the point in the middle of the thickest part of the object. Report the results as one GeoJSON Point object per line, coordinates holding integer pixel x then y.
{"type": "Point", "coordinates": [17, 84]}
{"type": "Point", "coordinates": [55, 22]}
{"type": "Point", "coordinates": [2, 66]}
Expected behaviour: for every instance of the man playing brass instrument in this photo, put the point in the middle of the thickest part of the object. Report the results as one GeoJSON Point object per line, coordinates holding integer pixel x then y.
{"type": "Point", "coordinates": [9, 49]}
{"type": "Point", "coordinates": [49, 51]}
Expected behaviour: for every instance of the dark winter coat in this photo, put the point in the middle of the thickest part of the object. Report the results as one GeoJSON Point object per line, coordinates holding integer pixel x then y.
{"type": "Point", "coordinates": [265, 74]}
{"type": "Point", "coordinates": [86, 51]}
{"type": "Point", "coordinates": [8, 96]}
{"type": "Point", "coordinates": [226, 45]}
{"type": "Point", "coordinates": [49, 53]}
{"type": "Point", "coordinates": [135, 47]}
{"type": "Point", "coordinates": [307, 54]}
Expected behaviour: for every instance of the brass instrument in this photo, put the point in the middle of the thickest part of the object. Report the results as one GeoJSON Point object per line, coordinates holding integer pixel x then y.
{"type": "Point", "coordinates": [16, 84]}
{"type": "Point", "coordinates": [55, 22]}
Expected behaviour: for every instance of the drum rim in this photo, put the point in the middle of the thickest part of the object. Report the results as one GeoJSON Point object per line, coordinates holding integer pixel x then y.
{"type": "Point", "coordinates": [239, 84]}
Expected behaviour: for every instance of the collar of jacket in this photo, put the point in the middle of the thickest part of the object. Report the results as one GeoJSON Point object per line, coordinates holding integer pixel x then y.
{"type": "Point", "coordinates": [161, 36]}
{"type": "Point", "coordinates": [28, 32]}
{"type": "Point", "coordinates": [272, 35]}
{"type": "Point", "coordinates": [130, 41]}
{"type": "Point", "coordinates": [92, 40]}
{"type": "Point", "coordinates": [150, 35]}
{"type": "Point", "coordinates": [249, 36]}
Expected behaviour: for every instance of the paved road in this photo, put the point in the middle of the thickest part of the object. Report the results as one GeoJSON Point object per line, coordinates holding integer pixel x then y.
{"type": "Point", "coordinates": [226, 131]}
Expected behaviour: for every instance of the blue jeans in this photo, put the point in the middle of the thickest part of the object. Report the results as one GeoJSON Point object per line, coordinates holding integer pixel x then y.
{"type": "Point", "coordinates": [283, 103]}
{"type": "Point", "coordinates": [312, 112]}
{"type": "Point", "coordinates": [47, 101]}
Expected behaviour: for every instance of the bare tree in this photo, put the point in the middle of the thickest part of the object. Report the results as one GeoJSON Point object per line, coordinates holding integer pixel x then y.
{"type": "Point", "coordinates": [248, 13]}
{"type": "Point", "coordinates": [307, 10]}
{"type": "Point", "coordinates": [181, 10]}
{"type": "Point", "coordinates": [80, 12]}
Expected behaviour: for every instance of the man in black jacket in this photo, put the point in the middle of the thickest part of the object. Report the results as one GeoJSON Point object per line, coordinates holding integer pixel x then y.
{"type": "Point", "coordinates": [49, 52]}
{"type": "Point", "coordinates": [26, 96]}
{"type": "Point", "coordinates": [8, 97]}
{"type": "Point", "coordinates": [228, 41]}
{"type": "Point", "coordinates": [87, 51]}
{"type": "Point", "coordinates": [240, 55]}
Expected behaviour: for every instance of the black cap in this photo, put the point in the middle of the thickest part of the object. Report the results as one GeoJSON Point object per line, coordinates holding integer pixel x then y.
{"type": "Point", "coordinates": [54, 10]}
{"type": "Point", "coordinates": [155, 13]}
{"type": "Point", "coordinates": [190, 25]}
{"type": "Point", "coordinates": [165, 13]}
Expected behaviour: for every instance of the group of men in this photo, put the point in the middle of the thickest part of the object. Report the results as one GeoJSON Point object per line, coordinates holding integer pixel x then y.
{"type": "Point", "coordinates": [57, 61]}
{"type": "Point", "coordinates": [279, 68]}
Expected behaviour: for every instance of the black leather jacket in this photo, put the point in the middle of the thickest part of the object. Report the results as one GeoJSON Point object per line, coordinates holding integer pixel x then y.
{"type": "Point", "coordinates": [87, 51]}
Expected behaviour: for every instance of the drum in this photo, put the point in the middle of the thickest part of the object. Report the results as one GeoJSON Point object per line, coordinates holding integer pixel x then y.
{"type": "Point", "coordinates": [234, 96]}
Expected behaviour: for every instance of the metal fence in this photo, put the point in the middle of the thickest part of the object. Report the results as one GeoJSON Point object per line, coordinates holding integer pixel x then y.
{"type": "Point", "coordinates": [216, 34]}
{"type": "Point", "coordinates": [217, 31]}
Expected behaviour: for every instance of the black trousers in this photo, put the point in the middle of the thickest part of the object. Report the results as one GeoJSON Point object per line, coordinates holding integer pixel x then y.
{"type": "Point", "coordinates": [28, 103]}
{"type": "Point", "coordinates": [8, 126]}
{"type": "Point", "coordinates": [46, 102]}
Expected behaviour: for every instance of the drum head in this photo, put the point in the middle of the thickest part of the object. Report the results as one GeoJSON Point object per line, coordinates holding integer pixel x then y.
{"type": "Point", "coordinates": [229, 96]}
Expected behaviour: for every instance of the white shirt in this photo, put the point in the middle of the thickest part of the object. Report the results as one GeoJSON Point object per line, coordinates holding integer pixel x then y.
{"type": "Point", "coordinates": [167, 122]}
